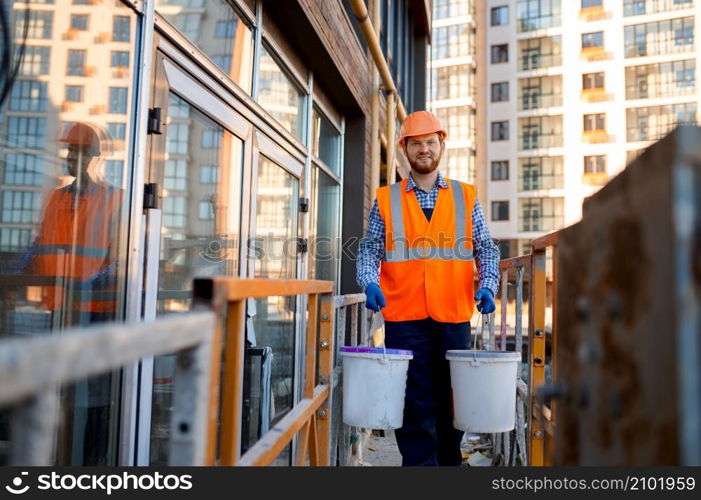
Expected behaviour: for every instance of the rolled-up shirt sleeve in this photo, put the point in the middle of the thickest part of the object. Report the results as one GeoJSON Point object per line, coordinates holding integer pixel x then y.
{"type": "Point", "coordinates": [485, 250]}
{"type": "Point", "coordinates": [371, 250]}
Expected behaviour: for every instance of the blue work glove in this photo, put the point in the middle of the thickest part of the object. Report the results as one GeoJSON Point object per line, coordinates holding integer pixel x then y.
{"type": "Point", "coordinates": [485, 297]}
{"type": "Point", "coordinates": [375, 299]}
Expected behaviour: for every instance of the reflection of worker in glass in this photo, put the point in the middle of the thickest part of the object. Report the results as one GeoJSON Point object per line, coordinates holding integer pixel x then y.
{"type": "Point", "coordinates": [75, 245]}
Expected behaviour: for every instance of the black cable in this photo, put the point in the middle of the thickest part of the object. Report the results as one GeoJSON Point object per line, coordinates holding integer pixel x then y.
{"type": "Point", "coordinates": [8, 71]}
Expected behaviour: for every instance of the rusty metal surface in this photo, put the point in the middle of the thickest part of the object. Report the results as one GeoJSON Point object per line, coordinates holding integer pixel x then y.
{"type": "Point", "coordinates": [624, 317]}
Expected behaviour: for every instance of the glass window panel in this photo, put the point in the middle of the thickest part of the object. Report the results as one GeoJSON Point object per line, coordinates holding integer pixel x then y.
{"type": "Point", "coordinates": [199, 233]}
{"type": "Point", "coordinates": [61, 198]}
{"type": "Point", "coordinates": [279, 95]}
{"type": "Point", "coordinates": [325, 212]}
{"type": "Point", "coordinates": [222, 33]}
{"type": "Point", "coordinates": [326, 141]}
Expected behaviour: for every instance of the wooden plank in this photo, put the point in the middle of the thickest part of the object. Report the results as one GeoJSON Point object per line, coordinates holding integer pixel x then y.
{"type": "Point", "coordinates": [267, 449]}
{"type": "Point", "coordinates": [536, 348]}
{"type": "Point", "coordinates": [32, 365]}
{"type": "Point", "coordinates": [546, 241]}
{"type": "Point", "coordinates": [354, 324]}
{"type": "Point", "coordinates": [515, 262]}
{"type": "Point", "coordinates": [232, 393]}
{"type": "Point", "coordinates": [346, 300]}
{"type": "Point", "coordinates": [311, 347]}
{"type": "Point", "coordinates": [326, 349]}
{"type": "Point", "coordinates": [504, 306]}
{"type": "Point", "coordinates": [314, 443]}
{"type": "Point", "coordinates": [550, 449]}
{"type": "Point", "coordinates": [303, 444]}
{"type": "Point", "coordinates": [238, 288]}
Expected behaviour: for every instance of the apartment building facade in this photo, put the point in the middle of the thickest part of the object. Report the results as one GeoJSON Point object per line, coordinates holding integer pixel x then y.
{"type": "Point", "coordinates": [576, 90]}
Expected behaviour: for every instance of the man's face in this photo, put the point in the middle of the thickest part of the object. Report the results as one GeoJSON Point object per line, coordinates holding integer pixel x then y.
{"type": "Point", "coordinates": [78, 160]}
{"type": "Point", "coordinates": [424, 152]}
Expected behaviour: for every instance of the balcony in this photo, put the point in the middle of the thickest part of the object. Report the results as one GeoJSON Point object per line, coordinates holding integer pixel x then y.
{"type": "Point", "coordinates": [594, 13]}
{"type": "Point", "coordinates": [536, 140]}
{"type": "Point", "coordinates": [590, 54]}
{"type": "Point", "coordinates": [595, 178]}
{"type": "Point", "coordinates": [536, 100]}
{"type": "Point", "coordinates": [595, 136]}
{"type": "Point", "coordinates": [595, 95]}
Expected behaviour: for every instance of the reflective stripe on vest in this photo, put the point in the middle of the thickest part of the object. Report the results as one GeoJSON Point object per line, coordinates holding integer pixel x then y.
{"type": "Point", "coordinates": [401, 253]}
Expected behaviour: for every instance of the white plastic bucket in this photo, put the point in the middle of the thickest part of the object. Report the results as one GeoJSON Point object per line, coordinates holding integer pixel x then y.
{"type": "Point", "coordinates": [484, 389]}
{"type": "Point", "coordinates": [374, 386]}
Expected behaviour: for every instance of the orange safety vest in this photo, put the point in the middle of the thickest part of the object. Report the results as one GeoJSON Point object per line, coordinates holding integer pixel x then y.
{"type": "Point", "coordinates": [74, 243]}
{"type": "Point", "coordinates": [428, 267]}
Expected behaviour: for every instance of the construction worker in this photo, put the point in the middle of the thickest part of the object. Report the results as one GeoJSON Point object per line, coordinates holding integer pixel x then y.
{"type": "Point", "coordinates": [416, 265]}
{"type": "Point", "coordinates": [75, 246]}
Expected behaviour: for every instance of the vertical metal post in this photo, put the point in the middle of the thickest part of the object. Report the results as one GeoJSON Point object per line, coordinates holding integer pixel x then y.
{"type": "Point", "coordinates": [33, 426]}
{"type": "Point", "coordinates": [504, 305]}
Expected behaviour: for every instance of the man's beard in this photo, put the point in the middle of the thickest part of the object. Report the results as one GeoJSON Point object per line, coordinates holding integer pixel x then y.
{"type": "Point", "coordinates": [425, 169]}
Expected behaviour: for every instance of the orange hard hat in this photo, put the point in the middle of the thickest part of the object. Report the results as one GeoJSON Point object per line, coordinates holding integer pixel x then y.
{"type": "Point", "coordinates": [82, 134]}
{"type": "Point", "coordinates": [421, 123]}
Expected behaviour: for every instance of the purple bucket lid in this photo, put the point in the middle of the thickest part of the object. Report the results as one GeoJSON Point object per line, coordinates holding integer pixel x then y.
{"type": "Point", "coordinates": [374, 350]}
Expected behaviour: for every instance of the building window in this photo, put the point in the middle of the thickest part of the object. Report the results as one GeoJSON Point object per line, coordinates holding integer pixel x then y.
{"type": "Point", "coordinates": [14, 239]}
{"type": "Point", "coordinates": [188, 23]}
{"type": "Point", "coordinates": [452, 41]}
{"type": "Point", "coordinates": [121, 29]}
{"type": "Point", "coordinates": [667, 79]}
{"type": "Point", "coordinates": [26, 132]}
{"type": "Point", "coordinates": [453, 82]}
{"type": "Point", "coordinates": [117, 130]}
{"type": "Point", "coordinates": [594, 164]}
{"type": "Point", "coordinates": [76, 63]}
{"type": "Point", "coordinates": [640, 7]}
{"type": "Point", "coordinates": [500, 131]}
{"type": "Point", "coordinates": [119, 59]}
{"type": "Point", "coordinates": [209, 174]}
{"type": "Point", "coordinates": [458, 120]}
{"type": "Point", "coordinates": [540, 132]}
{"type": "Point", "coordinates": [591, 81]}
{"type": "Point", "coordinates": [541, 172]}
{"type": "Point", "coordinates": [536, 53]}
{"type": "Point", "coordinates": [20, 207]}
{"type": "Point", "coordinates": [537, 14]}
{"type": "Point", "coordinates": [541, 214]}
{"type": "Point", "coordinates": [670, 36]}
{"type": "Point", "coordinates": [29, 95]}
{"type": "Point", "coordinates": [500, 91]}
{"type": "Point", "coordinates": [500, 210]}
{"type": "Point", "coordinates": [79, 22]}
{"type": "Point", "coordinates": [326, 141]}
{"type": "Point", "coordinates": [452, 8]}
{"type": "Point", "coordinates": [500, 53]}
{"type": "Point", "coordinates": [653, 123]}
{"type": "Point", "coordinates": [35, 61]}
{"type": "Point", "coordinates": [178, 138]}
{"type": "Point", "coordinates": [23, 169]}
{"type": "Point", "coordinates": [500, 170]}
{"type": "Point", "coordinates": [211, 138]}
{"type": "Point", "coordinates": [118, 100]}
{"type": "Point", "coordinates": [175, 211]}
{"type": "Point", "coordinates": [460, 164]}
{"type": "Point", "coordinates": [113, 172]}
{"type": "Point", "coordinates": [39, 25]}
{"type": "Point", "coordinates": [175, 174]}
{"type": "Point", "coordinates": [592, 40]}
{"type": "Point", "coordinates": [225, 29]}
{"type": "Point", "coordinates": [591, 3]}
{"type": "Point", "coordinates": [223, 61]}
{"type": "Point", "coordinates": [500, 15]}
{"type": "Point", "coordinates": [540, 92]}
{"type": "Point", "coordinates": [279, 94]}
{"type": "Point", "coordinates": [74, 93]}
{"type": "Point", "coordinates": [205, 211]}
{"type": "Point", "coordinates": [596, 121]}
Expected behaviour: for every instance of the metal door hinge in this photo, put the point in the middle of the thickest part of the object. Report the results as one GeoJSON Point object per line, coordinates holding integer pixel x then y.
{"type": "Point", "coordinates": [150, 195]}
{"type": "Point", "coordinates": [302, 245]}
{"type": "Point", "coordinates": [154, 121]}
{"type": "Point", "coordinates": [304, 205]}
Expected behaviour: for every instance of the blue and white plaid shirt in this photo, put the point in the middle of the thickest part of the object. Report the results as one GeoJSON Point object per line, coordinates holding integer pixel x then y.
{"type": "Point", "coordinates": [371, 250]}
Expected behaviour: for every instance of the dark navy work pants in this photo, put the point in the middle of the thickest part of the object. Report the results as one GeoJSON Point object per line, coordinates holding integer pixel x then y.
{"type": "Point", "coordinates": [427, 436]}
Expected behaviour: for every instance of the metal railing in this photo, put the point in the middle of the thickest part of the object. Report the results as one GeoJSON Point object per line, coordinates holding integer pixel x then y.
{"type": "Point", "coordinates": [33, 369]}
{"type": "Point", "coordinates": [535, 415]}
{"type": "Point", "coordinates": [309, 419]}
